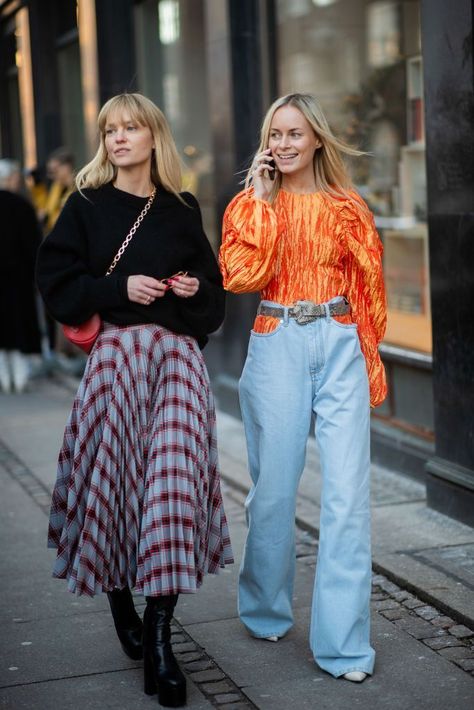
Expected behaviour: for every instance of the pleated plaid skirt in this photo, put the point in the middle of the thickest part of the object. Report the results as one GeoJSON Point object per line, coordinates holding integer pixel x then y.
{"type": "Point", "coordinates": [137, 499]}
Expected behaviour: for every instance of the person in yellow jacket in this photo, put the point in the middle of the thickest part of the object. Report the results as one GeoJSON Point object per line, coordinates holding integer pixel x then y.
{"type": "Point", "coordinates": [37, 189]}
{"type": "Point", "coordinates": [60, 170]}
{"type": "Point", "coordinates": [60, 167]}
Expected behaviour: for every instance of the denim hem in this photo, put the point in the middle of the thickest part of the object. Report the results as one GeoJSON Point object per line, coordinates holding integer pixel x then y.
{"type": "Point", "coordinates": [349, 669]}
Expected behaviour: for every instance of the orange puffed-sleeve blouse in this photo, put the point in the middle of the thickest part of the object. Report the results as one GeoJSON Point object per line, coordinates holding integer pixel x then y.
{"type": "Point", "coordinates": [309, 247]}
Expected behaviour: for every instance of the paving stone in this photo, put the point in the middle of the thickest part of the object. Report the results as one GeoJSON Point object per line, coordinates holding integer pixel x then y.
{"type": "Point", "coordinates": [185, 647]}
{"type": "Point", "coordinates": [418, 628]}
{"type": "Point", "coordinates": [305, 549]}
{"type": "Point", "coordinates": [392, 614]}
{"type": "Point", "coordinates": [179, 638]}
{"type": "Point", "coordinates": [457, 652]}
{"type": "Point", "coordinates": [388, 586]}
{"type": "Point", "coordinates": [377, 578]}
{"type": "Point", "coordinates": [238, 706]}
{"type": "Point", "coordinates": [378, 596]}
{"type": "Point", "coordinates": [386, 604]}
{"type": "Point", "coordinates": [198, 665]}
{"type": "Point", "coordinates": [442, 642]}
{"type": "Point", "coordinates": [227, 698]}
{"type": "Point", "coordinates": [201, 665]}
{"type": "Point", "coordinates": [207, 676]}
{"type": "Point", "coordinates": [214, 688]}
{"type": "Point", "coordinates": [401, 595]}
{"type": "Point", "coordinates": [461, 632]}
{"type": "Point", "coordinates": [190, 656]}
{"type": "Point", "coordinates": [467, 664]}
{"type": "Point", "coordinates": [412, 603]}
{"type": "Point", "coordinates": [444, 622]}
{"type": "Point", "coordinates": [427, 612]}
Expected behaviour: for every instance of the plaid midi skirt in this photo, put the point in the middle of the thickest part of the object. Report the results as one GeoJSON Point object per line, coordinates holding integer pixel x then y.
{"type": "Point", "coordinates": [137, 499]}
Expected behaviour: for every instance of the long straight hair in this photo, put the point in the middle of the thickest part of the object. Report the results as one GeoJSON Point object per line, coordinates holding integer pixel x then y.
{"type": "Point", "coordinates": [165, 162]}
{"type": "Point", "coordinates": [330, 172]}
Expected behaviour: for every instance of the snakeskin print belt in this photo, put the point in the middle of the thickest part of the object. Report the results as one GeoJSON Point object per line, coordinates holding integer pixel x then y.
{"type": "Point", "coordinates": [305, 311]}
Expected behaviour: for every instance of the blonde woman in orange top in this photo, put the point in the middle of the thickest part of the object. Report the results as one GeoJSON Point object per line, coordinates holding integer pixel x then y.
{"type": "Point", "coordinates": [302, 236]}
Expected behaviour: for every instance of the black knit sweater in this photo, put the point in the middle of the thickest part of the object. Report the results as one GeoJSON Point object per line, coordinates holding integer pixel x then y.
{"type": "Point", "coordinates": [76, 254]}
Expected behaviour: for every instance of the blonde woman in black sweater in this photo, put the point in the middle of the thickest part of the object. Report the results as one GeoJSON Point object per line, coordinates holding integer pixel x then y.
{"type": "Point", "coordinates": [137, 501]}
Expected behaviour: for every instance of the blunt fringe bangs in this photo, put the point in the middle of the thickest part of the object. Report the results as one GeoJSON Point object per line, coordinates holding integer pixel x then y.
{"type": "Point", "coordinates": [165, 161]}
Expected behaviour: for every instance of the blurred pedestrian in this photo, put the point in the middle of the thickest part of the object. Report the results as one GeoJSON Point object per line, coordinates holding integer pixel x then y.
{"type": "Point", "coordinates": [301, 235]}
{"type": "Point", "coordinates": [60, 170]}
{"type": "Point", "coordinates": [37, 189]}
{"type": "Point", "coordinates": [141, 505]}
{"type": "Point", "coordinates": [21, 237]}
{"type": "Point", "coordinates": [61, 174]}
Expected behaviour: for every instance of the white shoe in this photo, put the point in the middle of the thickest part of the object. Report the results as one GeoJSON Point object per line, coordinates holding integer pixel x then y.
{"type": "Point", "coordinates": [20, 370]}
{"type": "Point", "coordinates": [355, 676]}
{"type": "Point", "coordinates": [5, 377]}
{"type": "Point", "coordinates": [271, 638]}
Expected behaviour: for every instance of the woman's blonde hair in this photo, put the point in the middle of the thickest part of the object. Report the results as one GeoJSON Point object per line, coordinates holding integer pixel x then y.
{"type": "Point", "coordinates": [330, 172]}
{"type": "Point", "coordinates": [165, 162]}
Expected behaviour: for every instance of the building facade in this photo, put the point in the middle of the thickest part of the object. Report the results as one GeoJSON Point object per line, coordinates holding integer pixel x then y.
{"type": "Point", "coordinates": [395, 78]}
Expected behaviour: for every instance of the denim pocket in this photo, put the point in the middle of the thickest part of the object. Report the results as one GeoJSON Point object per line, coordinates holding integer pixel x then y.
{"type": "Point", "coordinates": [276, 330]}
{"type": "Point", "coordinates": [346, 326]}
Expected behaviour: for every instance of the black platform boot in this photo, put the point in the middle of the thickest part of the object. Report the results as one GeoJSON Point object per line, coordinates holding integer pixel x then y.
{"type": "Point", "coordinates": [162, 673]}
{"type": "Point", "coordinates": [128, 624]}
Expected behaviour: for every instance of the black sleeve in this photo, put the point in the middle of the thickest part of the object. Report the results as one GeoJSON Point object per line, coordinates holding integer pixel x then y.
{"type": "Point", "coordinates": [206, 309]}
{"type": "Point", "coordinates": [71, 293]}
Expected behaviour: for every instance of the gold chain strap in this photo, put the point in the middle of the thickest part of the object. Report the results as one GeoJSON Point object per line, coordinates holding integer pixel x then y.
{"type": "Point", "coordinates": [129, 236]}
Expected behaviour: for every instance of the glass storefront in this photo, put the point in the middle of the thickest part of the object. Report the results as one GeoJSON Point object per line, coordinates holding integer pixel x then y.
{"type": "Point", "coordinates": [71, 100]}
{"type": "Point", "coordinates": [171, 62]}
{"type": "Point", "coordinates": [11, 60]}
{"type": "Point", "coordinates": [362, 59]}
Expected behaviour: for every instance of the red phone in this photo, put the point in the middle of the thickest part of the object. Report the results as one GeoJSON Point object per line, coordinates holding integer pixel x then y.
{"type": "Point", "coordinates": [169, 280]}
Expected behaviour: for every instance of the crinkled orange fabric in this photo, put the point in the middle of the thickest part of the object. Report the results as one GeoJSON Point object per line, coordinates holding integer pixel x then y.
{"type": "Point", "coordinates": [309, 247]}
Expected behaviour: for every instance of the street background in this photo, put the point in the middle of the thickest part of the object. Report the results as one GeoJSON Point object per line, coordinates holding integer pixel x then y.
{"type": "Point", "coordinates": [61, 650]}
{"type": "Point", "coordinates": [395, 79]}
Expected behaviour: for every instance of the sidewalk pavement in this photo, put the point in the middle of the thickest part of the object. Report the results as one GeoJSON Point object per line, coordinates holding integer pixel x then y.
{"type": "Point", "coordinates": [60, 650]}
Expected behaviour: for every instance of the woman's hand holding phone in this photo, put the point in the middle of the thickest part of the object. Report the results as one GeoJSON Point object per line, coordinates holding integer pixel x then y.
{"type": "Point", "coordinates": [263, 174]}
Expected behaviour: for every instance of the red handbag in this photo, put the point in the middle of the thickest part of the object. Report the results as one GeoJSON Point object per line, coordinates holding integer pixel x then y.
{"type": "Point", "coordinates": [85, 334]}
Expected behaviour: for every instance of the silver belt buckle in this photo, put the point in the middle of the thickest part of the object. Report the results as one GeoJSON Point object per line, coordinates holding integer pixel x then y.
{"type": "Point", "coordinates": [305, 312]}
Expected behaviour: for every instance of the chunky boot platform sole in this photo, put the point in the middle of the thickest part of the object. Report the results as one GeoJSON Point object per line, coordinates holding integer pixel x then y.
{"type": "Point", "coordinates": [170, 696]}
{"type": "Point", "coordinates": [162, 673]}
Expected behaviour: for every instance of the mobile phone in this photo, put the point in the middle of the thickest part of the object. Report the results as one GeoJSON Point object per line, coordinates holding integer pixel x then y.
{"type": "Point", "coordinates": [271, 173]}
{"type": "Point", "coordinates": [169, 280]}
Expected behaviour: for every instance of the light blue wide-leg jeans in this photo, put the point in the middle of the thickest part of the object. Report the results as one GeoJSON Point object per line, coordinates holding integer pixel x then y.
{"type": "Point", "coordinates": [288, 374]}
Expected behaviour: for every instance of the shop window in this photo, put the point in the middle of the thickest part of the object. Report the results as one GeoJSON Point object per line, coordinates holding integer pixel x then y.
{"type": "Point", "coordinates": [70, 90]}
{"type": "Point", "coordinates": [171, 66]}
{"type": "Point", "coordinates": [168, 21]}
{"type": "Point", "coordinates": [363, 60]}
